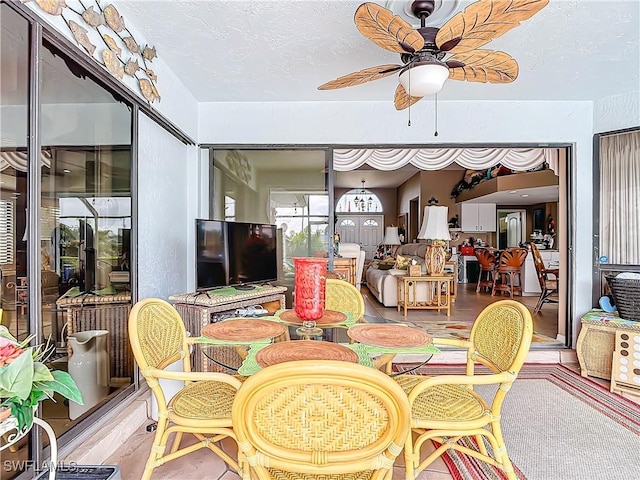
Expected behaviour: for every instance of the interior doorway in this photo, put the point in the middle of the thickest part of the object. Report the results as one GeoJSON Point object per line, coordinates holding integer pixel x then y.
{"type": "Point", "coordinates": [414, 219]}
{"type": "Point", "coordinates": [511, 227]}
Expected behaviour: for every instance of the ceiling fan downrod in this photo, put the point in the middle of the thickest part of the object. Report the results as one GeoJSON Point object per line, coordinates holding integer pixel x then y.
{"type": "Point", "coordinates": [422, 9]}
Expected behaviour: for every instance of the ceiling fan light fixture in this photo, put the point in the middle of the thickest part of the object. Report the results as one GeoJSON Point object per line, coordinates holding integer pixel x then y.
{"type": "Point", "coordinates": [424, 78]}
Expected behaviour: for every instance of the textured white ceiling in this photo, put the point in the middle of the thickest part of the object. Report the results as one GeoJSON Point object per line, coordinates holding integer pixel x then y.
{"type": "Point", "coordinates": [281, 50]}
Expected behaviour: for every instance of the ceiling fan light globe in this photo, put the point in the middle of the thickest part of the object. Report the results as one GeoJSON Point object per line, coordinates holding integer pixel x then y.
{"type": "Point", "coordinates": [425, 79]}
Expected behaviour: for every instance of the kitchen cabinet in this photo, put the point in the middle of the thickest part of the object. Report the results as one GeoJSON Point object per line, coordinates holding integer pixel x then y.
{"type": "Point", "coordinates": [478, 217]}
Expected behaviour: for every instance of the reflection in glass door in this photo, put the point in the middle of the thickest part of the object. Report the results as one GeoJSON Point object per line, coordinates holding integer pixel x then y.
{"type": "Point", "coordinates": [85, 231]}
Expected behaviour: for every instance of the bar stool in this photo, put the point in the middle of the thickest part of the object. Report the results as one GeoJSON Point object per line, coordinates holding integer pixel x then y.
{"type": "Point", "coordinates": [508, 274]}
{"type": "Point", "coordinates": [487, 263]}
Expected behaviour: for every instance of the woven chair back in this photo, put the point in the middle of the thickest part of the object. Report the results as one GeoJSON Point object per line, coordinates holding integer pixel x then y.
{"type": "Point", "coordinates": [486, 258]}
{"type": "Point", "coordinates": [501, 336]}
{"type": "Point", "coordinates": [296, 419]}
{"type": "Point", "coordinates": [343, 297]}
{"type": "Point", "coordinates": [541, 269]}
{"type": "Point", "coordinates": [512, 259]}
{"type": "Point", "coordinates": [157, 334]}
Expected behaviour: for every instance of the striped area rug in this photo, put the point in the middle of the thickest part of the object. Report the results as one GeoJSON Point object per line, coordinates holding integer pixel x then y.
{"type": "Point", "coordinates": [557, 426]}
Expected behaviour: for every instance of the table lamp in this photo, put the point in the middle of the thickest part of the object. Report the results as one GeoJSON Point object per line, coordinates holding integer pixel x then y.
{"type": "Point", "coordinates": [390, 238]}
{"type": "Point", "coordinates": [435, 227]}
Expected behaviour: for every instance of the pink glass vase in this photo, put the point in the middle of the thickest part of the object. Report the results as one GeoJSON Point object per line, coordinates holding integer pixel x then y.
{"type": "Point", "coordinates": [309, 287]}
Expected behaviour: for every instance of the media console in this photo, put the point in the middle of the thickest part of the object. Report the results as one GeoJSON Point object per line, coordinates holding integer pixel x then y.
{"type": "Point", "coordinates": [199, 309]}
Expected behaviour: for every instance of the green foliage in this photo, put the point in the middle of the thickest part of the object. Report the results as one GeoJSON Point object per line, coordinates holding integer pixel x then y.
{"type": "Point", "coordinates": [300, 245]}
{"type": "Point", "coordinates": [25, 380]}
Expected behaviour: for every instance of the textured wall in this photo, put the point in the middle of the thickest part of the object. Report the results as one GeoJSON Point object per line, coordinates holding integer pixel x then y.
{"type": "Point", "coordinates": [165, 212]}
{"type": "Point", "coordinates": [177, 103]}
{"type": "Point", "coordinates": [616, 112]}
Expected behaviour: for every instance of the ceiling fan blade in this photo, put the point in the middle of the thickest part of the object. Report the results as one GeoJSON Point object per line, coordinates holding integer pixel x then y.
{"type": "Point", "coordinates": [363, 76]}
{"type": "Point", "coordinates": [387, 30]}
{"type": "Point", "coordinates": [484, 66]}
{"type": "Point", "coordinates": [402, 99]}
{"type": "Point", "coordinates": [483, 21]}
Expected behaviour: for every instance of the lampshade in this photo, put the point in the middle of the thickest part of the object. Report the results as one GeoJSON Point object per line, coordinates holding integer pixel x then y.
{"type": "Point", "coordinates": [391, 236]}
{"type": "Point", "coordinates": [424, 78]}
{"type": "Point", "coordinates": [435, 225]}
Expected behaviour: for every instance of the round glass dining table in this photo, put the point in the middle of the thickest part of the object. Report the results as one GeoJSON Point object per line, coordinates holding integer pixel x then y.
{"type": "Point", "coordinates": [236, 347]}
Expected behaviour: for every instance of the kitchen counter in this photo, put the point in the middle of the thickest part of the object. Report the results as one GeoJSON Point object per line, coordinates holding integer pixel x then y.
{"type": "Point", "coordinates": [530, 282]}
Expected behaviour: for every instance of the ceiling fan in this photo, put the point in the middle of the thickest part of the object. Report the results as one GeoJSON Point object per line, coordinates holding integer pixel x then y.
{"type": "Point", "coordinates": [424, 67]}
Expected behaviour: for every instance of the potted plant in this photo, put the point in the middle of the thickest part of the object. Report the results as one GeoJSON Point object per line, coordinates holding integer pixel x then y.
{"type": "Point", "coordinates": [25, 380]}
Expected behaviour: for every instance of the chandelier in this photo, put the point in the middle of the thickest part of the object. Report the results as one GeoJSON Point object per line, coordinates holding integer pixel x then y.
{"type": "Point", "coordinates": [360, 203]}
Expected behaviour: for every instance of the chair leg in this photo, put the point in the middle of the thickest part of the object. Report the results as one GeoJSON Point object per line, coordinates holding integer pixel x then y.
{"type": "Point", "coordinates": [157, 449]}
{"type": "Point", "coordinates": [511, 287]}
{"type": "Point", "coordinates": [409, 465]}
{"type": "Point", "coordinates": [502, 457]}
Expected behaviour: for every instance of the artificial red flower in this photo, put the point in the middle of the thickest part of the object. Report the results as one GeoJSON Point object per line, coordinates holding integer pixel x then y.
{"type": "Point", "coordinates": [9, 353]}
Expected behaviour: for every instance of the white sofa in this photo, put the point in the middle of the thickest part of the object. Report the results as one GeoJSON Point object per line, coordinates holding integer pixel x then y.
{"type": "Point", "coordinates": [383, 284]}
{"type": "Point", "coordinates": [353, 250]}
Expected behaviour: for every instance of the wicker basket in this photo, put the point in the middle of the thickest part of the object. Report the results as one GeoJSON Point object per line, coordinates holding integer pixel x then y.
{"type": "Point", "coordinates": [626, 294]}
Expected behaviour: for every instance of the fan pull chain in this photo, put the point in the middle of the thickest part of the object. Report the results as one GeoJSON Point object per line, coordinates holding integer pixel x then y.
{"type": "Point", "coordinates": [436, 132]}
{"type": "Point", "coordinates": [409, 95]}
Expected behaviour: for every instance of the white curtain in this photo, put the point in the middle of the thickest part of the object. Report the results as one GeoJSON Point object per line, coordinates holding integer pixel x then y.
{"type": "Point", "coordinates": [620, 198]}
{"type": "Point", "coordinates": [18, 160]}
{"type": "Point", "coordinates": [519, 159]}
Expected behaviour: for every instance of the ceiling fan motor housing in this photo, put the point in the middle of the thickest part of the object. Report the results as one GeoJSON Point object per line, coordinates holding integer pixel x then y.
{"type": "Point", "coordinates": [422, 8]}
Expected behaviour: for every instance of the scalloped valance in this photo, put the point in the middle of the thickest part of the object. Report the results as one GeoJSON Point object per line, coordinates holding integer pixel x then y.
{"type": "Point", "coordinates": [519, 159]}
{"type": "Point", "coordinates": [18, 160]}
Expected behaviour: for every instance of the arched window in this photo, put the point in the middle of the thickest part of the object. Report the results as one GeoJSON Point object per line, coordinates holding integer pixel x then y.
{"type": "Point", "coordinates": [370, 223]}
{"type": "Point", "coordinates": [359, 200]}
{"type": "Point", "coordinates": [347, 223]}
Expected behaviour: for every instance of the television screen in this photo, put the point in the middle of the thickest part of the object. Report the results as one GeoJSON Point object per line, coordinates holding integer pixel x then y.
{"type": "Point", "coordinates": [252, 252]}
{"type": "Point", "coordinates": [211, 258]}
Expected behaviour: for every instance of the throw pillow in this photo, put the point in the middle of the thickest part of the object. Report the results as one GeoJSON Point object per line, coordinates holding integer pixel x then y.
{"type": "Point", "coordinates": [385, 266]}
{"type": "Point", "coordinates": [402, 262]}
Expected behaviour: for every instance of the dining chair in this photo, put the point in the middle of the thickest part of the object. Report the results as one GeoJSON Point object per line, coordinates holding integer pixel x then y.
{"type": "Point", "coordinates": [548, 279]}
{"type": "Point", "coordinates": [202, 407]}
{"type": "Point", "coordinates": [446, 409]}
{"type": "Point", "coordinates": [309, 420]}
{"type": "Point", "coordinates": [487, 262]}
{"type": "Point", "coordinates": [508, 274]}
{"type": "Point", "coordinates": [344, 297]}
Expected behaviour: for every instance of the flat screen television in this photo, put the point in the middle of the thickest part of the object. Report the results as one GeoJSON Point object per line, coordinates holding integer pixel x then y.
{"type": "Point", "coordinates": [252, 252]}
{"type": "Point", "coordinates": [234, 253]}
{"type": "Point", "coordinates": [211, 254]}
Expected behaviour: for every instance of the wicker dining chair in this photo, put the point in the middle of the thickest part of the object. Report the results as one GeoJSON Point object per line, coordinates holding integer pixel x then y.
{"type": "Point", "coordinates": [310, 420]}
{"type": "Point", "coordinates": [508, 274]}
{"type": "Point", "coordinates": [548, 279]}
{"type": "Point", "coordinates": [203, 407]}
{"type": "Point", "coordinates": [344, 297]}
{"type": "Point", "coordinates": [487, 262]}
{"type": "Point", "coordinates": [445, 408]}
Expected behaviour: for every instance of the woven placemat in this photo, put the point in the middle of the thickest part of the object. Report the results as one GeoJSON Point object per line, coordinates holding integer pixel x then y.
{"type": "Point", "coordinates": [304, 350]}
{"type": "Point", "coordinates": [379, 335]}
{"type": "Point", "coordinates": [328, 317]}
{"type": "Point", "coordinates": [240, 329]}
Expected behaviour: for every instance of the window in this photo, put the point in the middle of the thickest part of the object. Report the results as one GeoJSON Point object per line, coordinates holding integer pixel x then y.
{"type": "Point", "coordinates": [229, 208]}
{"type": "Point", "coordinates": [370, 223]}
{"type": "Point", "coordinates": [286, 188]}
{"type": "Point", "coordinates": [619, 198]}
{"type": "Point", "coordinates": [359, 200]}
{"type": "Point", "coordinates": [347, 223]}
